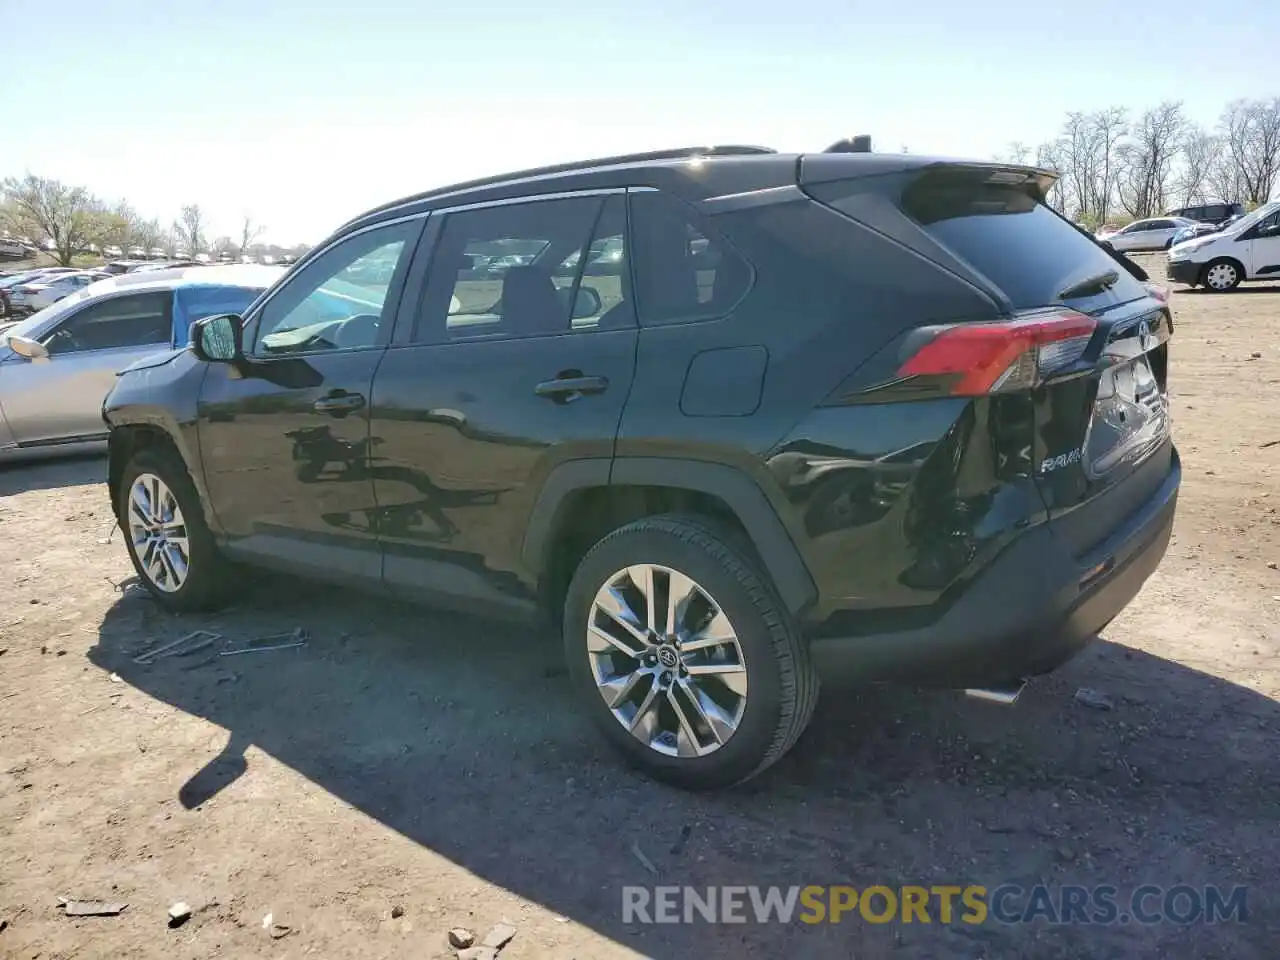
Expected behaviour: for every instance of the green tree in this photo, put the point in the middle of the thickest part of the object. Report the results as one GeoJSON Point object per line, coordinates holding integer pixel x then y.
{"type": "Point", "coordinates": [53, 213]}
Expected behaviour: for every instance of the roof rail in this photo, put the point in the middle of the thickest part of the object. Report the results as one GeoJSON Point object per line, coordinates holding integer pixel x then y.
{"type": "Point", "coordinates": [676, 153]}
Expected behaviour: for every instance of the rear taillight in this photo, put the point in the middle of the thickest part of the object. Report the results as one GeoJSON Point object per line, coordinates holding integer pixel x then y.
{"type": "Point", "coordinates": [974, 359]}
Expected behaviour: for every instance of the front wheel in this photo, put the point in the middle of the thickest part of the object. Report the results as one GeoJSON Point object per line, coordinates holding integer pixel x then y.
{"type": "Point", "coordinates": [684, 656]}
{"type": "Point", "coordinates": [171, 546]}
{"type": "Point", "coordinates": [1221, 276]}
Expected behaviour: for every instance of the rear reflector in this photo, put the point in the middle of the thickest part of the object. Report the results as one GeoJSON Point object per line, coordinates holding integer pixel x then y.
{"type": "Point", "coordinates": [981, 358]}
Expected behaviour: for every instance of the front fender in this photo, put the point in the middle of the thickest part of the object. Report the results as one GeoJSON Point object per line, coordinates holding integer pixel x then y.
{"type": "Point", "coordinates": [160, 400]}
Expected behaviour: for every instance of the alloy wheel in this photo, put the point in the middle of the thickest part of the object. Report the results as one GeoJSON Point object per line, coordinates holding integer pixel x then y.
{"type": "Point", "coordinates": [158, 533]}
{"type": "Point", "coordinates": [667, 661]}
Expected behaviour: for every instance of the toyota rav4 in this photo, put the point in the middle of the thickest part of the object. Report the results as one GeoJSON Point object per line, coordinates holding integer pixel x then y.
{"type": "Point", "coordinates": [731, 420]}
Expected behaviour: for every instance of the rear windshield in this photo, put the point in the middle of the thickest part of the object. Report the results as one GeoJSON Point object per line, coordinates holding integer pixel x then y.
{"type": "Point", "coordinates": [1025, 249]}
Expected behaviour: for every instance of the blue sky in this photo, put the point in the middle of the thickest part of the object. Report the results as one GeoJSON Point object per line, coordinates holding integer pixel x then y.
{"type": "Point", "coordinates": [305, 113]}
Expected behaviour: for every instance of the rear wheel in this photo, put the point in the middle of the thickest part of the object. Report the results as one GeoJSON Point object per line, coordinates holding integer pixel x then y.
{"type": "Point", "coordinates": [684, 656]}
{"type": "Point", "coordinates": [171, 546]}
{"type": "Point", "coordinates": [1222, 275]}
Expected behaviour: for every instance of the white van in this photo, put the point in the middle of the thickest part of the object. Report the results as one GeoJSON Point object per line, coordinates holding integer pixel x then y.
{"type": "Point", "coordinates": [1249, 249]}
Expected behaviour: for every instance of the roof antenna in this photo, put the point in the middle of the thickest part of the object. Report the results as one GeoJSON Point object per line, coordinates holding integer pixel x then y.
{"type": "Point", "coordinates": [859, 144]}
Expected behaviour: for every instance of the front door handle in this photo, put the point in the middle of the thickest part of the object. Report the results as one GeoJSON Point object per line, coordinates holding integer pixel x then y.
{"type": "Point", "coordinates": [571, 385]}
{"type": "Point", "coordinates": [339, 404]}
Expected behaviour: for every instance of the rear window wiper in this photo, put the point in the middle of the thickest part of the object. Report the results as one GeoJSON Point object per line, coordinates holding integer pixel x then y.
{"type": "Point", "coordinates": [1094, 284]}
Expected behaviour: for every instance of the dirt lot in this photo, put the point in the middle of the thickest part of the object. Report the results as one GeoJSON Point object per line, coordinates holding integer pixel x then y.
{"type": "Point", "coordinates": [406, 759]}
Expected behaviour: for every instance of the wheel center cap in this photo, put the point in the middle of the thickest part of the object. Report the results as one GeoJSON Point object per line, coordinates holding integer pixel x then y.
{"type": "Point", "coordinates": [667, 656]}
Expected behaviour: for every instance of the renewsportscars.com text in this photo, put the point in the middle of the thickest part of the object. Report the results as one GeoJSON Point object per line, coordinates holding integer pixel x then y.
{"type": "Point", "coordinates": [971, 904]}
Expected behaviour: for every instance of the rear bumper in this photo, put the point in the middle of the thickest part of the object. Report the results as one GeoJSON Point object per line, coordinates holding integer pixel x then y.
{"type": "Point", "coordinates": [1030, 611]}
{"type": "Point", "coordinates": [1184, 271]}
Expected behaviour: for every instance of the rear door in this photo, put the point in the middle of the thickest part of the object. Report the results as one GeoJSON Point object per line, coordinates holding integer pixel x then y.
{"type": "Point", "coordinates": [59, 400]}
{"type": "Point", "coordinates": [1101, 432]}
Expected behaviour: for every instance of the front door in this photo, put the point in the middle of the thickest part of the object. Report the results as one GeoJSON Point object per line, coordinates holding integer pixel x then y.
{"type": "Point", "coordinates": [1264, 248]}
{"type": "Point", "coordinates": [59, 400]}
{"type": "Point", "coordinates": [497, 383]}
{"type": "Point", "coordinates": [285, 437]}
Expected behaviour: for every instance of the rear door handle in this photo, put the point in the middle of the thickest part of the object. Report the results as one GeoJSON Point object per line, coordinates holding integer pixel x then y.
{"type": "Point", "coordinates": [339, 404]}
{"type": "Point", "coordinates": [566, 388]}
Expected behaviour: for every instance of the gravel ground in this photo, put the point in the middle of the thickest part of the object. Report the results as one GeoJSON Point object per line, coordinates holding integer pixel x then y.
{"type": "Point", "coordinates": [408, 772]}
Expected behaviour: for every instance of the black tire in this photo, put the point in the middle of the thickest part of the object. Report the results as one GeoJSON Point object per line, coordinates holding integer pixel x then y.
{"type": "Point", "coordinates": [209, 575]}
{"type": "Point", "coordinates": [782, 683]}
{"type": "Point", "coordinates": [1238, 275]}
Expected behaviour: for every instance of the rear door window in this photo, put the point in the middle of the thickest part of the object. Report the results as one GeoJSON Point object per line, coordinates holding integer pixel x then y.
{"type": "Point", "coordinates": [1024, 248]}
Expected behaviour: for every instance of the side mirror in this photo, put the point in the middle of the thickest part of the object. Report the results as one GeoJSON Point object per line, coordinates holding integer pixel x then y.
{"type": "Point", "coordinates": [217, 339]}
{"type": "Point", "coordinates": [31, 349]}
{"type": "Point", "coordinates": [587, 303]}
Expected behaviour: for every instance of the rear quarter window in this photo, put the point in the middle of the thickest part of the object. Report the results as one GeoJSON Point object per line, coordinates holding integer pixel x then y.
{"type": "Point", "coordinates": [1020, 245]}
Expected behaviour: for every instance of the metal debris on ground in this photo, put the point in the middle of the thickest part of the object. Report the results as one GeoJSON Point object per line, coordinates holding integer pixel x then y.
{"type": "Point", "coordinates": [279, 641]}
{"type": "Point", "coordinates": [1093, 698]}
{"type": "Point", "coordinates": [193, 642]}
{"type": "Point", "coordinates": [644, 861]}
{"type": "Point", "coordinates": [498, 936]}
{"type": "Point", "coordinates": [90, 908]}
{"type": "Point", "coordinates": [179, 914]}
{"type": "Point", "coordinates": [685, 832]}
{"type": "Point", "coordinates": [460, 938]}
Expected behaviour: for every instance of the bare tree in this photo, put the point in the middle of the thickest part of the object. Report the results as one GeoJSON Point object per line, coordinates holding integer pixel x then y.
{"type": "Point", "coordinates": [1147, 157]}
{"type": "Point", "coordinates": [1048, 157]}
{"type": "Point", "coordinates": [1110, 126]}
{"type": "Point", "coordinates": [149, 235]}
{"type": "Point", "coordinates": [1088, 149]}
{"type": "Point", "coordinates": [249, 232]}
{"type": "Point", "coordinates": [1017, 152]}
{"type": "Point", "coordinates": [1251, 130]}
{"type": "Point", "coordinates": [190, 227]}
{"type": "Point", "coordinates": [51, 212]}
{"type": "Point", "coordinates": [1200, 152]}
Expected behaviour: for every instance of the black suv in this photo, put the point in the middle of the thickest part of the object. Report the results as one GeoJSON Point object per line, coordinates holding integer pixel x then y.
{"type": "Point", "coordinates": [1211, 213]}
{"type": "Point", "coordinates": [847, 415]}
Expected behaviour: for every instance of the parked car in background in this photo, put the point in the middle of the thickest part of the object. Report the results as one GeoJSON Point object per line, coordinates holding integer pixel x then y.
{"type": "Point", "coordinates": [11, 249]}
{"type": "Point", "coordinates": [57, 365]}
{"type": "Point", "coordinates": [1191, 231]}
{"type": "Point", "coordinates": [8, 284]}
{"type": "Point", "coordinates": [1248, 249]}
{"type": "Point", "coordinates": [13, 280]}
{"type": "Point", "coordinates": [1155, 233]}
{"type": "Point", "coordinates": [1215, 213]}
{"type": "Point", "coordinates": [42, 291]}
{"type": "Point", "coordinates": [717, 486]}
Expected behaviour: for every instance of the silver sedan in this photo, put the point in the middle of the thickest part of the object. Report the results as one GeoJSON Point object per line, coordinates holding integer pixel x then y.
{"type": "Point", "coordinates": [57, 366]}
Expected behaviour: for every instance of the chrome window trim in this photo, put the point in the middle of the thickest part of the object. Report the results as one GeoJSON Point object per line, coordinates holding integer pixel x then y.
{"type": "Point", "coordinates": [532, 198]}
